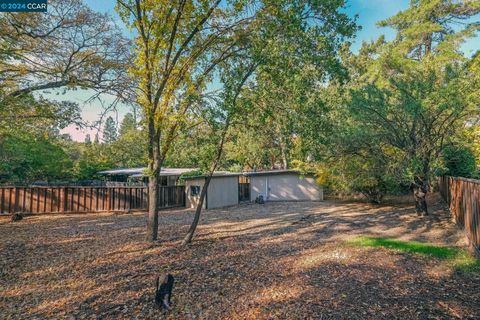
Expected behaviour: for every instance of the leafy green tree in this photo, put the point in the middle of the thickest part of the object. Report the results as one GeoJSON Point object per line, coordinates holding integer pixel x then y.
{"type": "Point", "coordinates": [30, 142]}
{"type": "Point", "coordinates": [36, 114]}
{"type": "Point", "coordinates": [128, 124]}
{"type": "Point", "coordinates": [130, 150]}
{"type": "Point", "coordinates": [110, 131]}
{"type": "Point", "coordinates": [70, 46]}
{"type": "Point", "coordinates": [26, 158]}
{"type": "Point", "coordinates": [408, 98]}
{"type": "Point", "coordinates": [250, 148]}
{"type": "Point", "coordinates": [473, 135]}
{"type": "Point", "coordinates": [280, 41]}
{"type": "Point", "coordinates": [178, 45]}
{"type": "Point", "coordinates": [220, 121]}
{"type": "Point", "coordinates": [192, 147]}
{"type": "Point", "coordinates": [92, 159]}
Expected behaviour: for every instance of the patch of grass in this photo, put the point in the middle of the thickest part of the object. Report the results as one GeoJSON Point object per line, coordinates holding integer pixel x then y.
{"type": "Point", "coordinates": [459, 259]}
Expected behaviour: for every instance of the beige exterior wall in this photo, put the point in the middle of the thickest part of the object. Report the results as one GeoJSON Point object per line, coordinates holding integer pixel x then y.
{"type": "Point", "coordinates": [284, 187]}
{"type": "Point", "coordinates": [192, 201]}
{"type": "Point", "coordinates": [222, 192]}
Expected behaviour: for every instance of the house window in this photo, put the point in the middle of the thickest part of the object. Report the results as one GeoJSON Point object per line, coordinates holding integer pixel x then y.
{"type": "Point", "coordinates": [194, 190]}
{"type": "Point", "coordinates": [164, 181]}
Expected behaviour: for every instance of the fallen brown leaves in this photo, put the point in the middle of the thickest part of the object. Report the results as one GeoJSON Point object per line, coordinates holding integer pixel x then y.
{"type": "Point", "coordinates": [273, 261]}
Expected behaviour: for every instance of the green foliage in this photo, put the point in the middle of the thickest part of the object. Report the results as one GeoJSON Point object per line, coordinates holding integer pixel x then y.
{"type": "Point", "coordinates": [35, 115]}
{"type": "Point", "coordinates": [459, 259]}
{"type": "Point", "coordinates": [253, 146]}
{"type": "Point", "coordinates": [110, 131]}
{"type": "Point", "coordinates": [30, 143]}
{"type": "Point", "coordinates": [29, 158]}
{"type": "Point", "coordinates": [40, 51]}
{"type": "Point", "coordinates": [128, 124]}
{"type": "Point", "coordinates": [193, 148]}
{"type": "Point", "coordinates": [459, 161]}
{"type": "Point", "coordinates": [97, 140]}
{"type": "Point", "coordinates": [194, 173]}
{"type": "Point", "coordinates": [285, 95]}
{"type": "Point", "coordinates": [88, 139]}
{"type": "Point", "coordinates": [436, 25]}
{"type": "Point", "coordinates": [33, 149]}
{"type": "Point", "coordinates": [472, 136]}
{"type": "Point", "coordinates": [406, 99]}
{"type": "Point", "coordinates": [370, 177]}
{"type": "Point", "coordinates": [361, 173]}
{"type": "Point", "coordinates": [290, 94]}
{"type": "Point", "coordinates": [130, 150]}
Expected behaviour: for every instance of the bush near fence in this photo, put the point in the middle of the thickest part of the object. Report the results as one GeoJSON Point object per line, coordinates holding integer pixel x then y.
{"type": "Point", "coordinates": [463, 197]}
{"type": "Point", "coordinates": [85, 199]}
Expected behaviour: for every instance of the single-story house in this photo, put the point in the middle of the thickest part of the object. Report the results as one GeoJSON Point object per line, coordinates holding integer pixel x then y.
{"type": "Point", "coordinates": [227, 188]}
{"type": "Point", "coordinates": [123, 176]}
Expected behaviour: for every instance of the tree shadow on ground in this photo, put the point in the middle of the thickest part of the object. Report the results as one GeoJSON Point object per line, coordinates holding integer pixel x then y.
{"type": "Point", "coordinates": [279, 260]}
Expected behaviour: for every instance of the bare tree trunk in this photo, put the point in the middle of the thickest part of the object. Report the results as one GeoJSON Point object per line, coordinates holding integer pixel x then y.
{"type": "Point", "coordinates": [420, 190]}
{"type": "Point", "coordinates": [284, 156]}
{"type": "Point", "coordinates": [154, 167]}
{"type": "Point", "coordinates": [420, 201]}
{"type": "Point", "coordinates": [152, 219]}
{"type": "Point", "coordinates": [273, 160]}
{"type": "Point", "coordinates": [283, 149]}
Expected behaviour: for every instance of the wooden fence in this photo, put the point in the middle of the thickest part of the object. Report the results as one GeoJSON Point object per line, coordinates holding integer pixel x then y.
{"type": "Point", "coordinates": [85, 199]}
{"type": "Point", "coordinates": [463, 197]}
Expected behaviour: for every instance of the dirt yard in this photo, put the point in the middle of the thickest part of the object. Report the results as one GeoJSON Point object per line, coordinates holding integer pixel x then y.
{"type": "Point", "coordinates": [272, 261]}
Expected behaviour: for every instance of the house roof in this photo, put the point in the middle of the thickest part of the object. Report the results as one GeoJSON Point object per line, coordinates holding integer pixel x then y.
{"type": "Point", "coordinates": [270, 172]}
{"type": "Point", "coordinates": [139, 172]}
{"type": "Point", "coordinates": [217, 174]}
{"type": "Point", "coordinates": [246, 174]}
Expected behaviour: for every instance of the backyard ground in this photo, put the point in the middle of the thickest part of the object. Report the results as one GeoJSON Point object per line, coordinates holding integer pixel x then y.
{"type": "Point", "coordinates": [304, 260]}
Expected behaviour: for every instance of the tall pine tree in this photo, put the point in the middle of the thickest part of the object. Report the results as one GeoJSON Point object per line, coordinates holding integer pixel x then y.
{"type": "Point", "coordinates": [412, 96]}
{"type": "Point", "coordinates": [110, 131]}
{"type": "Point", "coordinates": [128, 124]}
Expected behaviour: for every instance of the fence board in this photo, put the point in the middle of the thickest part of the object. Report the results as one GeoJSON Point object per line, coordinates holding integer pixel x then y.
{"type": "Point", "coordinates": [85, 199]}
{"type": "Point", "coordinates": [463, 197]}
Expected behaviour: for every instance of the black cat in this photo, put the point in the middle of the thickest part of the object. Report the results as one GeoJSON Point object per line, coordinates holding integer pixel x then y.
{"type": "Point", "coordinates": [163, 291]}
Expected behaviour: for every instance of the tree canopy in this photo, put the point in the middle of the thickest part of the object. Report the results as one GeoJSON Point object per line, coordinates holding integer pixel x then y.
{"type": "Point", "coordinates": [407, 99]}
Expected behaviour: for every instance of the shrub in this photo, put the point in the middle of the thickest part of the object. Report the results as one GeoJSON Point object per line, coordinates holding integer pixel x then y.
{"type": "Point", "coordinates": [459, 161]}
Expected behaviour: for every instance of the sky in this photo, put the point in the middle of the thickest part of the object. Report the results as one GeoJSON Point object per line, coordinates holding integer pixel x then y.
{"type": "Point", "coordinates": [369, 13]}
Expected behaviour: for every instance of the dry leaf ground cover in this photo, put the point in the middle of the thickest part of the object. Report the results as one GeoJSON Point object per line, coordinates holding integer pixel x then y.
{"type": "Point", "coordinates": [304, 260]}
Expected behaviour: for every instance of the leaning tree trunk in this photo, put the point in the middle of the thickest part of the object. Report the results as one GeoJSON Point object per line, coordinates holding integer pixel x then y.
{"type": "Point", "coordinates": [188, 238]}
{"type": "Point", "coordinates": [420, 190]}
